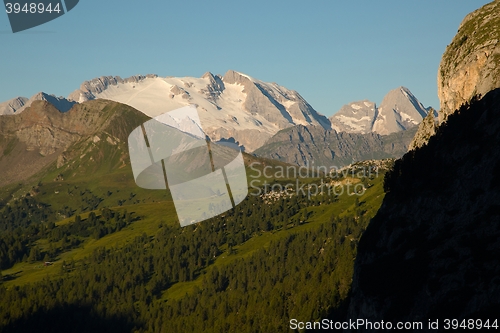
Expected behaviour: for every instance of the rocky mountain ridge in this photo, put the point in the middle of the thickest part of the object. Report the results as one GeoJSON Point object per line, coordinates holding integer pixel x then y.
{"type": "Point", "coordinates": [19, 104]}
{"type": "Point", "coordinates": [41, 135]}
{"type": "Point", "coordinates": [308, 145]}
{"type": "Point", "coordinates": [425, 130]}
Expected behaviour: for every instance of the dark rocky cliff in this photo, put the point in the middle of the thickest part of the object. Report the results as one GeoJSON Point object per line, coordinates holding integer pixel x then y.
{"type": "Point", "coordinates": [433, 249]}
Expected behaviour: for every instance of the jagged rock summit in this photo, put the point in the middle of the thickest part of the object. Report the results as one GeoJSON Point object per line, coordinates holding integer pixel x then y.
{"type": "Point", "coordinates": [231, 107]}
{"type": "Point", "coordinates": [19, 104]}
{"type": "Point", "coordinates": [400, 110]}
{"type": "Point", "coordinates": [426, 129]}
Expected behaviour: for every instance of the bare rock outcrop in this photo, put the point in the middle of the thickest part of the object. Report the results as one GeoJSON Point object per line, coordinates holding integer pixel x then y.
{"type": "Point", "coordinates": [426, 129]}
{"type": "Point", "coordinates": [11, 106]}
{"type": "Point", "coordinates": [469, 67]}
{"type": "Point", "coordinates": [470, 64]}
{"type": "Point", "coordinates": [89, 89]}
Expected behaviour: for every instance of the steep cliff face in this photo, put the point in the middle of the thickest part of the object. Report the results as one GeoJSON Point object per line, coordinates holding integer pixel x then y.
{"type": "Point", "coordinates": [432, 251]}
{"type": "Point", "coordinates": [470, 64]}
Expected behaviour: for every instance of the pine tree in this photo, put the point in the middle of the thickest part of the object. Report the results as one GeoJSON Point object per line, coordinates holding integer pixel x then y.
{"type": "Point", "coordinates": [305, 215]}
{"type": "Point", "coordinates": [34, 254]}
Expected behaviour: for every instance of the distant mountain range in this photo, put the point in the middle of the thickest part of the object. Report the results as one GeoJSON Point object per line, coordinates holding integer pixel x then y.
{"type": "Point", "coordinates": [253, 114]}
{"type": "Point", "coordinates": [266, 107]}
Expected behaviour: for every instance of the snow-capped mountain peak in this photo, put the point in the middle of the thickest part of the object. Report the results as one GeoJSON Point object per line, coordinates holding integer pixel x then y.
{"type": "Point", "coordinates": [356, 117]}
{"type": "Point", "coordinates": [234, 106]}
{"type": "Point", "coordinates": [399, 111]}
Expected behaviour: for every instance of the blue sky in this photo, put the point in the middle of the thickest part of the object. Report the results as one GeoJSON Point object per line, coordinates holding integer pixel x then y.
{"type": "Point", "coordinates": [332, 52]}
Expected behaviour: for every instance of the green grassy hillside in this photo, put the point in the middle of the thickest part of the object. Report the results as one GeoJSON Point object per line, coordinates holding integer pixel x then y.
{"type": "Point", "coordinates": [81, 232]}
